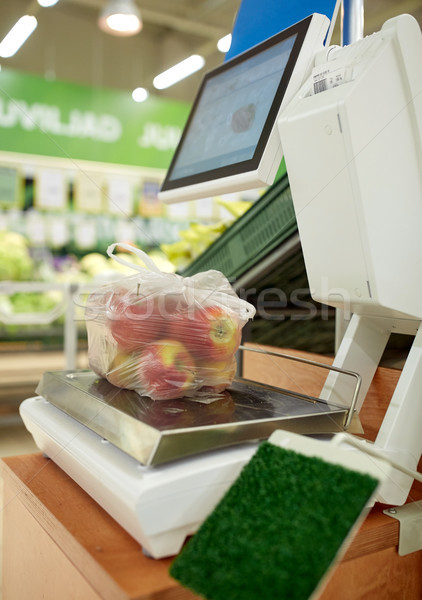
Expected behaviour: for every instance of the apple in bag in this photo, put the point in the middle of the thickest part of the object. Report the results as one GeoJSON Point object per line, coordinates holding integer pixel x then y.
{"type": "Point", "coordinates": [167, 370]}
{"type": "Point", "coordinates": [123, 370]}
{"type": "Point", "coordinates": [210, 333]}
{"type": "Point", "coordinates": [134, 323]}
{"type": "Point", "coordinates": [217, 375]}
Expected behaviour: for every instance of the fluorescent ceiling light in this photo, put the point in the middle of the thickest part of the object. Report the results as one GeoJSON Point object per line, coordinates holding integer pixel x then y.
{"type": "Point", "coordinates": [120, 17]}
{"type": "Point", "coordinates": [140, 94]}
{"type": "Point", "coordinates": [178, 72]}
{"type": "Point", "coordinates": [46, 3]}
{"type": "Point", "coordinates": [224, 43]}
{"type": "Point", "coordinates": [19, 33]}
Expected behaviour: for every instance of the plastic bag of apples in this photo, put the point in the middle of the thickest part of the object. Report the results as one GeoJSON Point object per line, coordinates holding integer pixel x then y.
{"type": "Point", "coordinates": [163, 335]}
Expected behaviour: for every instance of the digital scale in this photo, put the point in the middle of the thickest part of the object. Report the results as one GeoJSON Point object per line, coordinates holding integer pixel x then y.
{"type": "Point", "coordinates": [160, 467]}
{"type": "Point", "coordinates": [351, 136]}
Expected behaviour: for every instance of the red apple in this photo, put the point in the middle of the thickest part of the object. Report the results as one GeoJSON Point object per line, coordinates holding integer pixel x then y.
{"type": "Point", "coordinates": [167, 370]}
{"type": "Point", "coordinates": [216, 375]}
{"type": "Point", "coordinates": [123, 370]}
{"type": "Point", "coordinates": [134, 322]}
{"type": "Point", "coordinates": [170, 304]}
{"type": "Point", "coordinates": [210, 333]}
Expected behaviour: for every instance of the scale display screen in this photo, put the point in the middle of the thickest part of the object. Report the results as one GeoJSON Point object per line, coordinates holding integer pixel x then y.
{"type": "Point", "coordinates": [235, 113]}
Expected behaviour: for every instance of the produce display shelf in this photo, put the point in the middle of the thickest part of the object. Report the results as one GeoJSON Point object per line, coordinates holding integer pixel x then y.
{"type": "Point", "coordinates": [267, 224]}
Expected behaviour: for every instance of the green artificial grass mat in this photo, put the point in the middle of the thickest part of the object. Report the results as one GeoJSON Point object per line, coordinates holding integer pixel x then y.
{"type": "Point", "coordinates": [277, 530]}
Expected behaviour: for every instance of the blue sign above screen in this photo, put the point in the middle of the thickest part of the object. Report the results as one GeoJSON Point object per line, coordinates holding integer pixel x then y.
{"type": "Point", "coordinates": [257, 20]}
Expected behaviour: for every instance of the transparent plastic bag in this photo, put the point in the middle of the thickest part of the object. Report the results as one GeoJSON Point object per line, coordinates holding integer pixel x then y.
{"type": "Point", "coordinates": [163, 335]}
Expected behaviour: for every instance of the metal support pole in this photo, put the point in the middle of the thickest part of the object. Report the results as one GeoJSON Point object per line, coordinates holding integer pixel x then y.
{"type": "Point", "coordinates": [70, 329]}
{"type": "Point", "coordinates": [351, 21]}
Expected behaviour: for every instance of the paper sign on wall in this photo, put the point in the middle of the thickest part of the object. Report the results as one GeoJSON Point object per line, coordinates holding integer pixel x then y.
{"type": "Point", "coordinates": [51, 192]}
{"type": "Point", "coordinates": [9, 187]}
{"type": "Point", "coordinates": [120, 197]}
{"type": "Point", "coordinates": [88, 192]}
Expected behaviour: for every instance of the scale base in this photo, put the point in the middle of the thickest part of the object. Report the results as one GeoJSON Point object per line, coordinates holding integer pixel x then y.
{"type": "Point", "coordinates": [158, 506]}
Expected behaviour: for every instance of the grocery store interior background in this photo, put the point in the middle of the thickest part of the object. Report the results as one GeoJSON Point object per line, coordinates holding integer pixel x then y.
{"type": "Point", "coordinates": [68, 44]}
{"type": "Point", "coordinates": [59, 241]}
{"type": "Point", "coordinates": [59, 213]}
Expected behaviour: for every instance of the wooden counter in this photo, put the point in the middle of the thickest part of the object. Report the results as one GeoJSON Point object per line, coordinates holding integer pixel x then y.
{"type": "Point", "coordinates": [59, 544]}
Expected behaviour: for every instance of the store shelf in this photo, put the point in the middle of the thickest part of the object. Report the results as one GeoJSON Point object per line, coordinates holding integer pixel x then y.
{"type": "Point", "coordinates": [264, 227]}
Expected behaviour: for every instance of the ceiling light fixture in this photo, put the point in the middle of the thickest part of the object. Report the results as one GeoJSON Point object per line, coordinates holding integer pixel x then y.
{"type": "Point", "coordinates": [140, 94]}
{"type": "Point", "coordinates": [178, 72]}
{"type": "Point", "coordinates": [120, 17]}
{"type": "Point", "coordinates": [224, 43]}
{"type": "Point", "coordinates": [17, 36]}
{"type": "Point", "coordinates": [47, 3]}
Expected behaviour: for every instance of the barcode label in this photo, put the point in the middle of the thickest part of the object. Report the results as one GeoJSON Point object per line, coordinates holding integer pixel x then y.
{"type": "Point", "coordinates": [320, 86]}
{"type": "Point", "coordinates": [325, 78]}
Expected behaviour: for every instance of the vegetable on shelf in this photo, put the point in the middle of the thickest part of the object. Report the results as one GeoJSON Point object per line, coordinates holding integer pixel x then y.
{"type": "Point", "coordinates": [195, 240]}
{"type": "Point", "coordinates": [16, 263]}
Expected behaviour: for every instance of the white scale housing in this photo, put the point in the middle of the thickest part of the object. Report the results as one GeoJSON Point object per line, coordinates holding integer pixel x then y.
{"type": "Point", "coordinates": [353, 154]}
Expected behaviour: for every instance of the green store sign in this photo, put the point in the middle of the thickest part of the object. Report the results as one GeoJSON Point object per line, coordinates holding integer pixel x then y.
{"type": "Point", "coordinates": [66, 120]}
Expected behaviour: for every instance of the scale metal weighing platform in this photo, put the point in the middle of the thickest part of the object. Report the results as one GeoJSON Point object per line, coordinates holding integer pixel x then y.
{"type": "Point", "coordinates": [160, 467]}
